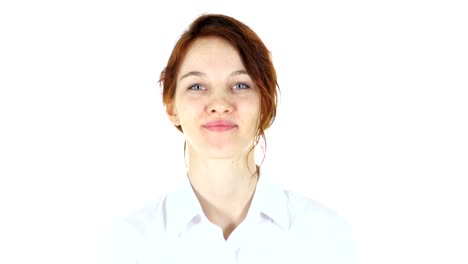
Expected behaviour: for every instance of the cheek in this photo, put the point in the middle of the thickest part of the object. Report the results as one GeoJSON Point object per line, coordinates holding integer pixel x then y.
{"type": "Point", "coordinates": [189, 110]}
{"type": "Point", "coordinates": [255, 105]}
{"type": "Point", "coordinates": [252, 111]}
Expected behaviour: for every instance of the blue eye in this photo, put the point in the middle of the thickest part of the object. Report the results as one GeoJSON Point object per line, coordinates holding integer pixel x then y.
{"type": "Point", "coordinates": [241, 86]}
{"type": "Point", "coordinates": [196, 87]}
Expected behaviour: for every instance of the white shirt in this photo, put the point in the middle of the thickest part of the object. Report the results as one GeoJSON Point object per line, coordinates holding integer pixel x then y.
{"type": "Point", "coordinates": [280, 227]}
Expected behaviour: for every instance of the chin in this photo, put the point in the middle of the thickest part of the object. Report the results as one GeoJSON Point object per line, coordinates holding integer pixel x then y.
{"type": "Point", "coordinates": [224, 153]}
{"type": "Point", "coordinates": [222, 149]}
{"type": "Point", "coordinates": [220, 154]}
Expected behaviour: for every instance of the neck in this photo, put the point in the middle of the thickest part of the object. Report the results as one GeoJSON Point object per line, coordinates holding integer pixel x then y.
{"type": "Point", "coordinates": [224, 187]}
{"type": "Point", "coordinates": [222, 178]}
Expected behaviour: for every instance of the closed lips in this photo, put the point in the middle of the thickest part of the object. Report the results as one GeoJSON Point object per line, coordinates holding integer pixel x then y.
{"type": "Point", "coordinates": [220, 124]}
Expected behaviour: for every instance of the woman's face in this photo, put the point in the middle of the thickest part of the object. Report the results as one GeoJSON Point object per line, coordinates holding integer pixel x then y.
{"type": "Point", "coordinates": [216, 102]}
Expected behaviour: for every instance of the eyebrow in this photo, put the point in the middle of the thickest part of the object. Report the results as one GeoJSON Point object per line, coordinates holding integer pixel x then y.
{"type": "Point", "coordinates": [199, 73]}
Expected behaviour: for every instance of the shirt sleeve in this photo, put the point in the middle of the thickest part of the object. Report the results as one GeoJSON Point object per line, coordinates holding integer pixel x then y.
{"type": "Point", "coordinates": [120, 243]}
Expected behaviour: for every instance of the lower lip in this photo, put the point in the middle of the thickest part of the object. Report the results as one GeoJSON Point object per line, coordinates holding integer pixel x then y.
{"type": "Point", "coordinates": [220, 128]}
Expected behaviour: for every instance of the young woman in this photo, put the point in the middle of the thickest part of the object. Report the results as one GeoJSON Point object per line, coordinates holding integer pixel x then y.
{"type": "Point", "coordinates": [220, 91]}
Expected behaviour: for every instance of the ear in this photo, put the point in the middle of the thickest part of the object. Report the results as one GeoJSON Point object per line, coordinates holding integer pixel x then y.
{"type": "Point", "coordinates": [171, 112]}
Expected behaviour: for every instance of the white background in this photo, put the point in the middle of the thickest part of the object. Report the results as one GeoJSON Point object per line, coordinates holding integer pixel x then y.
{"type": "Point", "coordinates": [373, 119]}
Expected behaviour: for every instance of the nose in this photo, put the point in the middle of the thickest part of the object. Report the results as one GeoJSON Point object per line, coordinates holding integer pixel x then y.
{"type": "Point", "coordinates": [220, 104]}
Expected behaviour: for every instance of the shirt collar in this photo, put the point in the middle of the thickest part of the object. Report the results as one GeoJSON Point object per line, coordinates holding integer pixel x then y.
{"type": "Point", "coordinates": [183, 206]}
{"type": "Point", "coordinates": [271, 200]}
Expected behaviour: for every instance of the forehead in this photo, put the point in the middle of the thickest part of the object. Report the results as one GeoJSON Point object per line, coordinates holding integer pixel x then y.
{"type": "Point", "coordinates": [207, 52]}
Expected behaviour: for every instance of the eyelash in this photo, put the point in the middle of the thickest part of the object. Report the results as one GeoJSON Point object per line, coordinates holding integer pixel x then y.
{"type": "Point", "coordinates": [246, 86]}
{"type": "Point", "coordinates": [191, 86]}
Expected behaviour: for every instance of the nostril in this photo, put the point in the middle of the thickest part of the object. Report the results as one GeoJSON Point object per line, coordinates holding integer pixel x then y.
{"type": "Point", "coordinates": [220, 106]}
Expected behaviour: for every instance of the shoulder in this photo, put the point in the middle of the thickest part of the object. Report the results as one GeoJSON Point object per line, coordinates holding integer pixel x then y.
{"type": "Point", "coordinates": [321, 228]}
{"type": "Point", "coordinates": [310, 215]}
{"type": "Point", "coordinates": [148, 218]}
{"type": "Point", "coordinates": [127, 237]}
{"type": "Point", "coordinates": [304, 208]}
